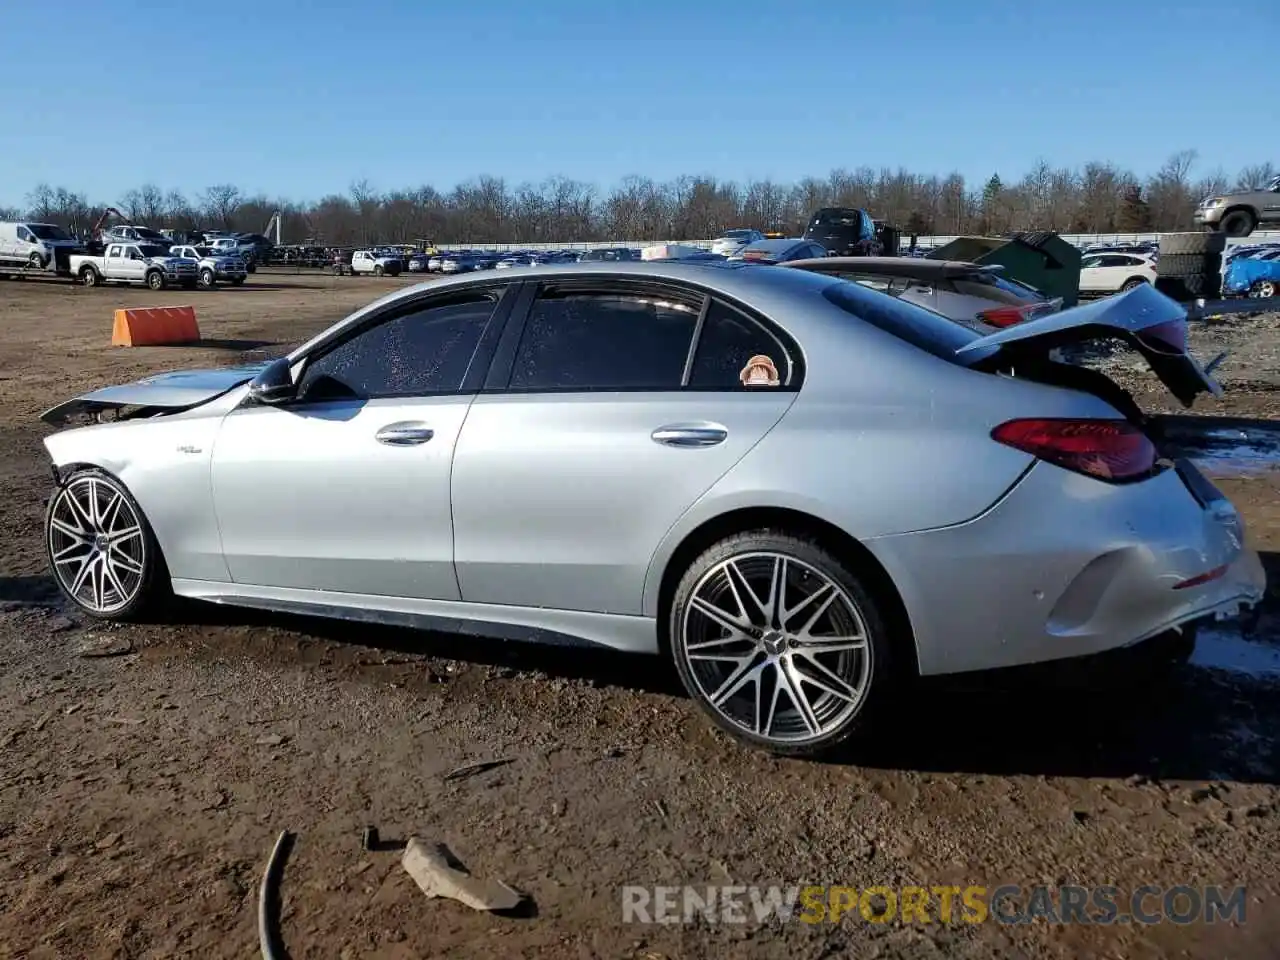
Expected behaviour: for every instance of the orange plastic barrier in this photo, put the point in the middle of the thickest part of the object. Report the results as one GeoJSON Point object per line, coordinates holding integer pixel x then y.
{"type": "Point", "coordinates": [149, 326]}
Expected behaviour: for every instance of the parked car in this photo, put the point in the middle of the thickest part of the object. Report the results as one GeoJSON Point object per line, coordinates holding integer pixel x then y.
{"type": "Point", "coordinates": [1253, 276]}
{"type": "Point", "coordinates": [845, 232]}
{"type": "Point", "coordinates": [1239, 214]}
{"type": "Point", "coordinates": [779, 251]}
{"type": "Point", "coordinates": [1112, 272]}
{"type": "Point", "coordinates": [141, 263]}
{"type": "Point", "coordinates": [134, 233]}
{"type": "Point", "coordinates": [971, 294]}
{"type": "Point", "coordinates": [24, 244]}
{"type": "Point", "coordinates": [733, 242]}
{"type": "Point", "coordinates": [374, 264]}
{"type": "Point", "coordinates": [417, 263]}
{"type": "Point", "coordinates": [799, 489]}
{"type": "Point", "coordinates": [212, 267]}
{"type": "Point", "coordinates": [609, 255]}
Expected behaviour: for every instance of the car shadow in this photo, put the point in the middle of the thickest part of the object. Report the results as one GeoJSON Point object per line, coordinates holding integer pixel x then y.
{"type": "Point", "coordinates": [252, 286]}
{"type": "Point", "coordinates": [569, 660]}
{"type": "Point", "coordinates": [29, 590]}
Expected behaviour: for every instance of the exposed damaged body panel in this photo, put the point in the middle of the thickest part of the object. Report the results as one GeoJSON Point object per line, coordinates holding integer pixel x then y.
{"type": "Point", "coordinates": [179, 390]}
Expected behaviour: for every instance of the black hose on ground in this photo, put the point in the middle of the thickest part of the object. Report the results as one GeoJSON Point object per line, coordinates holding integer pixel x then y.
{"type": "Point", "coordinates": [269, 901]}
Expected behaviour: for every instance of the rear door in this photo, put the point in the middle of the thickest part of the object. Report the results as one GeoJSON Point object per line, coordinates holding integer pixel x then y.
{"type": "Point", "coordinates": [612, 406]}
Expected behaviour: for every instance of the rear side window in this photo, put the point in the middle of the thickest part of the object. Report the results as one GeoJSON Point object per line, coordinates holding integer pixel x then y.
{"type": "Point", "coordinates": [734, 351]}
{"type": "Point", "coordinates": [421, 353]}
{"type": "Point", "coordinates": [922, 328]}
{"type": "Point", "coordinates": [604, 341]}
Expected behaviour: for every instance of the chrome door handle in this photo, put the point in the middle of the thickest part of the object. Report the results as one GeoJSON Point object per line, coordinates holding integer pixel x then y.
{"type": "Point", "coordinates": [404, 434]}
{"type": "Point", "coordinates": [690, 435]}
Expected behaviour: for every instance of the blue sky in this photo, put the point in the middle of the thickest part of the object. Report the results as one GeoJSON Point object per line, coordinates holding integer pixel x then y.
{"type": "Point", "coordinates": [298, 99]}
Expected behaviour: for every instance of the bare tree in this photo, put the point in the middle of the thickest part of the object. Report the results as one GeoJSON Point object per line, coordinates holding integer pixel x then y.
{"type": "Point", "coordinates": [1100, 197]}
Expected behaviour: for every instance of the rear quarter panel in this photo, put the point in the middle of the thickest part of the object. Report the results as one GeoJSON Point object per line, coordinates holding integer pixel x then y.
{"type": "Point", "coordinates": [883, 439]}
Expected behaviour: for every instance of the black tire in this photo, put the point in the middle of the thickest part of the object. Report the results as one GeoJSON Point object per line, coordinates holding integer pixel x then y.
{"type": "Point", "coordinates": [35, 262]}
{"type": "Point", "coordinates": [251, 267]}
{"type": "Point", "coordinates": [809, 561]}
{"type": "Point", "coordinates": [155, 280]}
{"type": "Point", "coordinates": [377, 270]}
{"type": "Point", "coordinates": [1198, 243]}
{"type": "Point", "coordinates": [1263, 288]}
{"type": "Point", "coordinates": [1188, 264]}
{"type": "Point", "coordinates": [89, 277]}
{"type": "Point", "coordinates": [153, 589]}
{"type": "Point", "coordinates": [1205, 285]}
{"type": "Point", "coordinates": [1237, 223]}
{"type": "Point", "coordinates": [207, 279]}
{"type": "Point", "coordinates": [1133, 282]}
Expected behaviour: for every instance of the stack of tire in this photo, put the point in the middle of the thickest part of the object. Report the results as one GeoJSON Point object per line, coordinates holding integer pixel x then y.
{"type": "Point", "coordinates": [1190, 265]}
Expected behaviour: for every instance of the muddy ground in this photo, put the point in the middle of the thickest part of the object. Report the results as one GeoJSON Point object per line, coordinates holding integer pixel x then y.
{"type": "Point", "coordinates": [141, 792]}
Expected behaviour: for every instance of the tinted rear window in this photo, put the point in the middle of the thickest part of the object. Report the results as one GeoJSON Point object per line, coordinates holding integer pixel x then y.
{"type": "Point", "coordinates": [929, 331]}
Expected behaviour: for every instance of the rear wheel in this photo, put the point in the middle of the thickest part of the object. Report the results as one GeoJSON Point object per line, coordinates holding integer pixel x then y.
{"type": "Point", "coordinates": [779, 642]}
{"type": "Point", "coordinates": [89, 276]}
{"type": "Point", "coordinates": [1262, 289]}
{"type": "Point", "coordinates": [1133, 282]}
{"type": "Point", "coordinates": [103, 553]}
{"type": "Point", "coordinates": [377, 270]}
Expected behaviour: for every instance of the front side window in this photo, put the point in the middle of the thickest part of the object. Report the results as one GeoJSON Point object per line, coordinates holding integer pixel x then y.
{"type": "Point", "coordinates": [578, 341]}
{"type": "Point", "coordinates": [421, 353]}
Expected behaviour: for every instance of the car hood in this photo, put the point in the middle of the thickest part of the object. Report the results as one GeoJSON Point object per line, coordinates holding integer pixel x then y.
{"type": "Point", "coordinates": [178, 390]}
{"type": "Point", "coordinates": [1153, 324]}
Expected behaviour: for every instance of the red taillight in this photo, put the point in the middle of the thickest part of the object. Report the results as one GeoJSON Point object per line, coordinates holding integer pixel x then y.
{"type": "Point", "coordinates": [1007, 316]}
{"type": "Point", "coordinates": [1111, 450]}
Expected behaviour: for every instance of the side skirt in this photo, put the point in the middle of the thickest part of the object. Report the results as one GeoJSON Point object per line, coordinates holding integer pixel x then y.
{"type": "Point", "coordinates": [529, 624]}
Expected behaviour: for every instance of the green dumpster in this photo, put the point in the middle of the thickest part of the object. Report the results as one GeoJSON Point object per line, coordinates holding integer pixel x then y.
{"type": "Point", "coordinates": [1041, 260]}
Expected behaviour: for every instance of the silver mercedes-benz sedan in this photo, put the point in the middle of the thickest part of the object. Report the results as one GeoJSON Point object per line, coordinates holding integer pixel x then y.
{"type": "Point", "coordinates": [799, 489]}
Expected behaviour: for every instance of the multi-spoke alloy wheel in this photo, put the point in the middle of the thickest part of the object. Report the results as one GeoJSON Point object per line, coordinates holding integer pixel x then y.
{"type": "Point", "coordinates": [98, 545]}
{"type": "Point", "coordinates": [777, 641]}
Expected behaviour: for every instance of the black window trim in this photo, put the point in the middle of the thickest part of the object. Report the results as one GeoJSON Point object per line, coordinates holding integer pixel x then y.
{"type": "Point", "coordinates": [477, 365]}
{"type": "Point", "coordinates": [502, 366]}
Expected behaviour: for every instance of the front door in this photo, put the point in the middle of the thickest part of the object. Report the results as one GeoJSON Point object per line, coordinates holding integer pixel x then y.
{"type": "Point", "coordinates": [347, 488]}
{"type": "Point", "coordinates": [568, 476]}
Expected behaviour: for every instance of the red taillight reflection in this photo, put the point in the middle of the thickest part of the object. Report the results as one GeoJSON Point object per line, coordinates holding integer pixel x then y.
{"type": "Point", "coordinates": [1169, 337]}
{"type": "Point", "coordinates": [1199, 581]}
{"type": "Point", "coordinates": [1111, 450]}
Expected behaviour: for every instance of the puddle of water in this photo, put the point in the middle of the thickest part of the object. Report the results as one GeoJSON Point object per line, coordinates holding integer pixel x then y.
{"type": "Point", "coordinates": [1221, 649]}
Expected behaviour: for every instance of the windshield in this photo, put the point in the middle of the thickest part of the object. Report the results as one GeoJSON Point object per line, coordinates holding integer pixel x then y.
{"type": "Point", "coordinates": [922, 328]}
{"type": "Point", "coordinates": [838, 218]}
{"type": "Point", "coordinates": [47, 231]}
{"type": "Point", "coordinates": [152, 250]}
{"type": "Point", "coordinates": [738, 234]}
{"type": "Point", "coordinates": [147, 234]}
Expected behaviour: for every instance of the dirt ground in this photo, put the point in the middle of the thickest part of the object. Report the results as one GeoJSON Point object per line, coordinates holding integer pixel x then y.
{"type": "Point", "coordinates": [141, 792]}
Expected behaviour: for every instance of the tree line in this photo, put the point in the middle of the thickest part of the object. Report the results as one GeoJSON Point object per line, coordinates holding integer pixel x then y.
{"type": "Point", "coordinates": [1098, 198]}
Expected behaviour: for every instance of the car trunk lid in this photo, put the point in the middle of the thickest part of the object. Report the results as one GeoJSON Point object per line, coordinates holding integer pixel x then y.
{"type": "Point", "coordinates": [1143, 318]}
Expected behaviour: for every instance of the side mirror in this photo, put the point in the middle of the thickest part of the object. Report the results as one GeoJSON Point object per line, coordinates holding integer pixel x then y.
{"type": "Point", "coordinates": [274, 384]}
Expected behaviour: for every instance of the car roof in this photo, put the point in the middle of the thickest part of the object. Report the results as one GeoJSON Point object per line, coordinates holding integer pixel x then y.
{"type": "Point", "coordinates": [752, 283]}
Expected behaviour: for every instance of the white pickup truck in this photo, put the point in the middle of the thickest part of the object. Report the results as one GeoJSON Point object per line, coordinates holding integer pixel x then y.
{"type": "Point", "coordinates": [212, 266]}
{"type": "Point", "coordinates": [136, 263]}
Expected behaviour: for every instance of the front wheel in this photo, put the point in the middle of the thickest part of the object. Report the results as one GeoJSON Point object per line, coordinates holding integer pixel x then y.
{"type": "Point", "coordinates": [103, 553]}
{"type": "Point", "coordinates": [1238, 223]}
{"type": "Point", "coordinates": [207, 279]}
{"type": "Point", "coordinates": [155, 280]}
{"type": "Point", "coordinates": [779, 642]}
